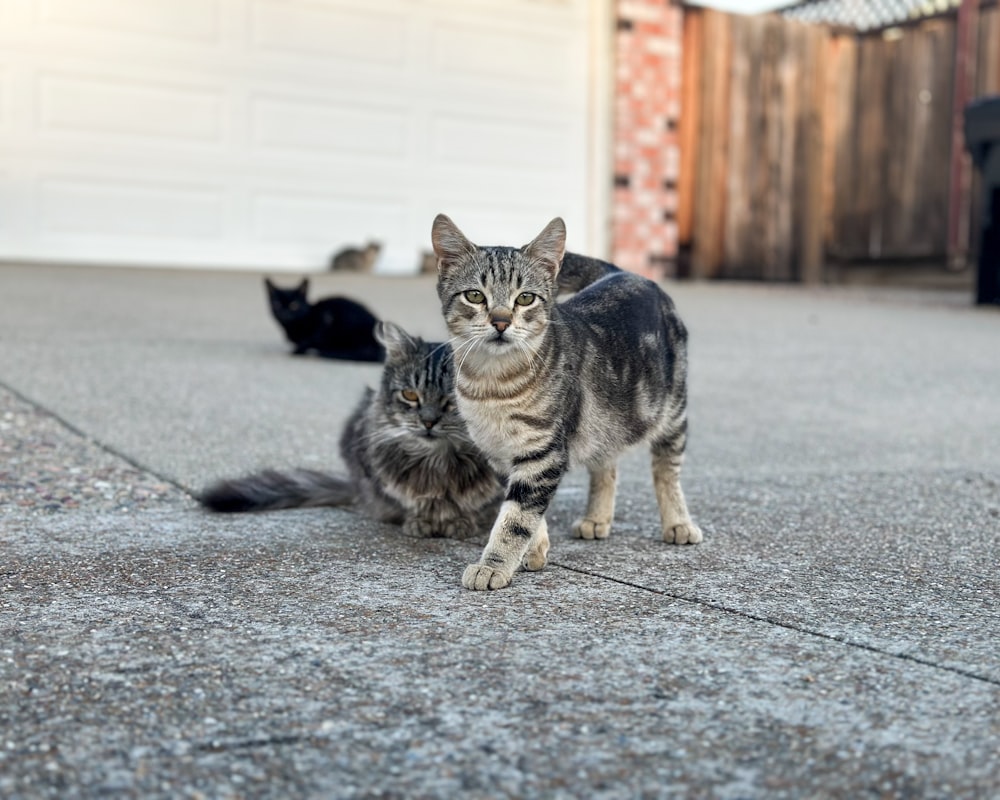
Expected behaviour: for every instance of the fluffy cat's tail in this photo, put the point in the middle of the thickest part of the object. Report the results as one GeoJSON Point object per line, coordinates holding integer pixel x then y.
{"type": "Point", "coordinates": [272, 490]}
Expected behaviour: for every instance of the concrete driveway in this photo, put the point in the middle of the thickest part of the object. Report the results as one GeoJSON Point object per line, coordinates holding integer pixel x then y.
{"type": "Point", "coordinates": [836, 635]}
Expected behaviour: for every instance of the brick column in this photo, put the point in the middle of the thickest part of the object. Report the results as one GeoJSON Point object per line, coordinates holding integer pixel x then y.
{"type": "Point", "coordinates": [646, 157]}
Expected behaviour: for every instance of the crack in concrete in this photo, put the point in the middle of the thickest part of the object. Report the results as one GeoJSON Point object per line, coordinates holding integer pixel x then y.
{"type": "Point", "coordinates": [786, 625]}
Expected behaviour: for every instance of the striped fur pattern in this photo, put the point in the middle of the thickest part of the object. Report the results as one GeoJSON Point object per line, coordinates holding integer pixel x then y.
{"type": "Point", "coordinates": [542, 385]}
{"type": "Point", "coordinates": [409, 456]}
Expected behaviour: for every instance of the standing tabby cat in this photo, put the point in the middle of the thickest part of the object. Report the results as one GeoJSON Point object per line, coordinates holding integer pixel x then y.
{"type": "Point", "coordinates": [409, 457]}
{"type": "Point", "coordinates": [542, 384]}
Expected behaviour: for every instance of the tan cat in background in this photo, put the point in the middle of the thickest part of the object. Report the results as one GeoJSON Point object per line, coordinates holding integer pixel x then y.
{"type": "Point", "coordinates": [354, 259]}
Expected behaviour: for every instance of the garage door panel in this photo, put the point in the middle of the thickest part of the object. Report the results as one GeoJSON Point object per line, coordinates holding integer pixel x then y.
{"type": "Point", "coordinates": [517, 205]}
{"type": "Point", "coordinates": [288, 217]}
{"type": "Point", "coordinates": [500, 142]}
{"type": "Point", "coordinates": [99, 105]}
{"type": "Point", "coordinates": [8, 19]}
{"type": "Point", "coordinates": [270, 133]}
{"type": "Point", "coordinates": [328, 31]}
{"type": "Point", "coordinates": [286, 125]}
{"type": "Point", "coordinates": [186, 20]}
{"type": "Point", "coordinates": [474, 49]}
{"type": "Point", "coordinates": [504, 224]}
{"type": "Point", "coordinates": [552, 13]}
{"type": "Point", "coordinates": [5, 94]}
{"type": "Point", "coordinates": [6, 204]}
{"type": "Point", "coordinates": [92, 206]}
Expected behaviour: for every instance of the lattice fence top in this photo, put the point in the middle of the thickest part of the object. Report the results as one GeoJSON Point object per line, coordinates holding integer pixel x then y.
{"type": "Point", "coordinates": [867, 15]}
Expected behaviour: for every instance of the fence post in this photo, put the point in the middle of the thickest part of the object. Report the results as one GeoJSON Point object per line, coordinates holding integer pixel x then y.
{"type": "Point", "coordinates": [960, 183]}
{"type": "Point", "coordinates": [713, 136]}
{"type": "Point", "coordinates": [817, 110]}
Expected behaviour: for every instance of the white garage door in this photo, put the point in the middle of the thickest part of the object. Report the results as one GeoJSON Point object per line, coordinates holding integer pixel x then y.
{"type": "Point", "coordinates": [268, 133]}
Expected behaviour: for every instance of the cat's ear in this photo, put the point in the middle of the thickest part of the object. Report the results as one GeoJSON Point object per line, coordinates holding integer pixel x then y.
{"type": "Point", "coordinates": [270, 286]}
{"type": "Point", "coordinates": [398, 343]}
{"type": "Point", "coordinates": [450, 245]}
{"type": "Point", "coordinates": [549, 246]}
{"type": "Point", "coordinates": [304, 286]}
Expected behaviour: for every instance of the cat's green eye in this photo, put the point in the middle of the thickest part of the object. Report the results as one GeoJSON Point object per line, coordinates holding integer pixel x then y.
{"type": "Point", "coordinates": [525, 299]}
{"type": "Point", "coordinates": [475, 296]}
{"type": "Point", "coordinates": [409, 395]}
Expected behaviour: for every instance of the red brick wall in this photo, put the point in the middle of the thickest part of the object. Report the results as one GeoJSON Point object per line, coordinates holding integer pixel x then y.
{"type": "Point", "coordinates": [646, 157]}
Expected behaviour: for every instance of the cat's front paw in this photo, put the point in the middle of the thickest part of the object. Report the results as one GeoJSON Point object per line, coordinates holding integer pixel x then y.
{"type": "Point", "coordinates": [480, 578]}
{"type": "Point", "coordinates": [424, 528]}
{"type": "Point", "coordinates": [591, 529]}
{"type": "Point", "coordinates": [458, 529]}
{"type": "Point", "coordinates": [684, 533]}
{"type": "Point", "coordinates": [421, 528]}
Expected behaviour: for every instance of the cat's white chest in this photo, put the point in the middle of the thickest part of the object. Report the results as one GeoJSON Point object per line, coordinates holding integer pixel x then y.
{"type": "Point", "coordinates": [492, 429]}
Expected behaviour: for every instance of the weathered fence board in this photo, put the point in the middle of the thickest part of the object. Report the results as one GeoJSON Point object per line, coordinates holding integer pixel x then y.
{"type": "Point", "coordinates": [713, 144]}
{"type": "Point", "coordinates": [895, 202]}
{"type": "Point", "coordinates": [838, 122]}
{"type": "Point", "coordinates": [689, 125]}
{"type": "Point", "coordinates": [760, 148]}
{"type": "Point", "coordinates": [988, 52]}
{"type": "Point", "coordinates": [811, 213]}
{"type": "Point", "coordinates": [802, 144]}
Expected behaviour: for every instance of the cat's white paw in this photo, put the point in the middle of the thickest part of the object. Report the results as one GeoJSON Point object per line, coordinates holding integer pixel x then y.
{"type": "Point", "coordinates": [480, 577]}
{"type": "Point", "coordinates": [684, 533]}
{"type": "Point", "coordinates": [536, 558]}
{"type": "Point", "coordinates": [591, 529]}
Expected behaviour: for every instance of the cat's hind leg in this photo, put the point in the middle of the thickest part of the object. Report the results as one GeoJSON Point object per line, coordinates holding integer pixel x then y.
{"type": "Point", "coordinates": [668, 456]}
{"type": "Point", "coordinates": [596, 522]}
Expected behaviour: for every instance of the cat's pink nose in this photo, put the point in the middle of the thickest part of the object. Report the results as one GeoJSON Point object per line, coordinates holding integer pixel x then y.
{"type": "Point", "coordinates": [500, 320]}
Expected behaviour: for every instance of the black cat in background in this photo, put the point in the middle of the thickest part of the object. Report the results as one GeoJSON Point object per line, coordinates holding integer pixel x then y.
{"type": "Point", "coordinates": [334, 327]}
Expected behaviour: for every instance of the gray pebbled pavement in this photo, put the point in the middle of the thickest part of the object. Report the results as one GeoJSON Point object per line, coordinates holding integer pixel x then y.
{"type": "Point", "coordinates": [47, 467]}
{"type": "Point", "coordinates": [835, 634]}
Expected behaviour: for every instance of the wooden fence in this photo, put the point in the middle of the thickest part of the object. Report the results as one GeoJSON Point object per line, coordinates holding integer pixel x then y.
{"type": "Point", "coordinates": [801, 144]}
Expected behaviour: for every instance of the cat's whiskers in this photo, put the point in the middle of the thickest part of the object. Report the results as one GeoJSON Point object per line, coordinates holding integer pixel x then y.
{"type": "Point", "coordinates": [383, 436]}
{"type": "Point", "coordinates": [532, 352]}
{"type": "Point", "coordinates": [474, 341]}
{"type": "Point", "coordinates": [468, 343]}
{"type": "Point", "coordinates": [444, 344]}
{"type": "Point", "coordinates": [467, 346]}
